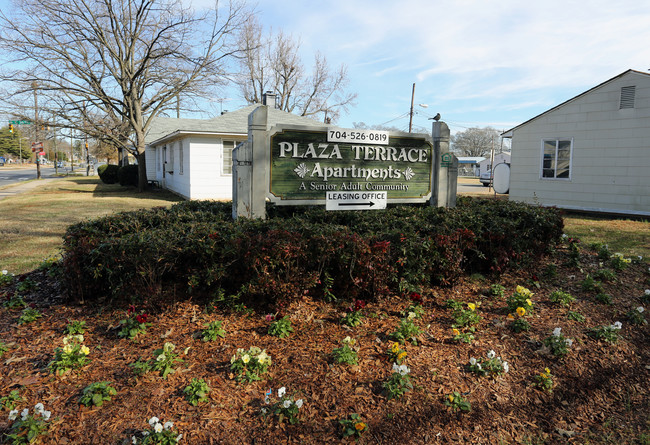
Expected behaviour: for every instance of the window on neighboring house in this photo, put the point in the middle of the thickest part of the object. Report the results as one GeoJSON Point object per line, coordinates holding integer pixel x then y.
{"type": "Point", "coordinates": [228, 147]}
{"type": "Point", "coordinates": [556, 158]}
{"type": "Point", "coordinates": [170, 167]}
{"type": "Point", "coordinates": [180, 157]}
{"type": "Point", "coordinates": [158, 161]}
{"type": "Point", "coordinates": [627, 97]}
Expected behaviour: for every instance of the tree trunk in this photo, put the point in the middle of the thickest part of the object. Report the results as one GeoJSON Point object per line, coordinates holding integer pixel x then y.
{"type": "Point", "coordinates": [142, 172]}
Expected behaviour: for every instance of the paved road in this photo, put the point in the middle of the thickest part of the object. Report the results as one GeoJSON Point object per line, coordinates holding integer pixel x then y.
{"type": "Point", "coordinates": [13, 175]}
{"type": "Point", "coordinates": [15, 180]}
{"type": "Point", "coordinates": [472, 186]}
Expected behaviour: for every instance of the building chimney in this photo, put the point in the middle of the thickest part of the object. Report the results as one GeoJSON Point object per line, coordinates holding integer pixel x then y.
{"type": "Point", "coordinates": [268, 98]}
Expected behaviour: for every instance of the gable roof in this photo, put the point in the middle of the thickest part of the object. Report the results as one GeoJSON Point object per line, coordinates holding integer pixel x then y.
{"type": "Point", "coordinates": [508, 133]}
{"type": "Point", "coordinates": [232, 123]}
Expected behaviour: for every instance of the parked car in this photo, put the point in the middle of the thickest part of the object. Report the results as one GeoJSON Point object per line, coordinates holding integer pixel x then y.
{"type": "Point", "coordinates": [486, 179]}
{"type": "Point", "coordinates": [60, 164]}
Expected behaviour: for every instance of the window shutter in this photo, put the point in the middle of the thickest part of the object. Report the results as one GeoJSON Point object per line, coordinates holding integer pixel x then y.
{"type": "Point", "coordinates": [627, 97]}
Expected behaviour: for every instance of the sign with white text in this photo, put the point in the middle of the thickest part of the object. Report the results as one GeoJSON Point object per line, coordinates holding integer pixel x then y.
{"type": "Point", "coordinates": [356, 200]}
{"type": "Point", "coordinates": [305, 165]}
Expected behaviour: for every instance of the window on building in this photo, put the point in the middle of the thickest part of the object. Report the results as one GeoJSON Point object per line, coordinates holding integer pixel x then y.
{"type": "Point", "coordinates": [180, 157]}
{"type": "Point", "coordinates": [627, 97]}
{"type": "Point", "coordinates": [228, 147]}
{"type": "Point", "coordinates": [556, 158]}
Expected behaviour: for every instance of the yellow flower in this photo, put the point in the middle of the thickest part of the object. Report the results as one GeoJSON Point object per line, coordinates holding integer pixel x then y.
{"type": "Point", "coordinates": [245, 358]}
{"type": "Point", "coordinates": [455, 331]}
{"type": "Point", "coordinates": [471, 306]}
{"type": "Point", "coordinates": [521, 311]}
{"type": "Point", "coordinates": [530, 303]}
{"type": "Point", "coordinates": [510, 317]}
{"type": "Point", "coordinates": [451, 398]}
{"type": "Point", "coordinates": [360, 426]}
{"type": "Point", "coordinates": [85, 350]}
{"type": "Point", "coordinates": [395, 348]}
{"type": "Point", "coordinates": [67, 349]}
{"type": "Point", "coordinates": [401, 355]}
{"type": "Point", "coordinates": [548, 371]}
{"type": "Point", "coordinates": [520, 289]}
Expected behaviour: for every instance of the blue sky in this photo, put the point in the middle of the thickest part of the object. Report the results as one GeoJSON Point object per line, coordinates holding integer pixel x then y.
{"type": "Point", "coordinates": [478, 63]}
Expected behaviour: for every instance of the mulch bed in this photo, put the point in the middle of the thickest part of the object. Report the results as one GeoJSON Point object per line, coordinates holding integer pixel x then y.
{"type": "Point", "coordinates": [600, 395]}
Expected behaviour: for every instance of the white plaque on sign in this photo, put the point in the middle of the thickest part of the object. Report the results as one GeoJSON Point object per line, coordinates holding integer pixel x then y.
{"type": "Point", "coordinates": [366, 137]}
{"type": "Point", "coordinates": [356, 200]}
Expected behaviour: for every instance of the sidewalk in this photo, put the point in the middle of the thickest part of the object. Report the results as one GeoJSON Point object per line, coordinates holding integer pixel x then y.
{"type": "Point", "coordinates": [25, 186]}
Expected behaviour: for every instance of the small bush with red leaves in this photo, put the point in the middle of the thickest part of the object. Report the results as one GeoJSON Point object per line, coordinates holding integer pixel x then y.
{"type": "Point", "coordinates": [194, 249]}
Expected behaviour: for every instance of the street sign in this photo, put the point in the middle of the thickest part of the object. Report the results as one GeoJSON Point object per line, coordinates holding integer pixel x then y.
{"type": "Point", "coordinates": [37, 146]}
{"type": "Point", "coordinates": [356, 200]}
{"type": "Point", "coordinates": [20, 122]}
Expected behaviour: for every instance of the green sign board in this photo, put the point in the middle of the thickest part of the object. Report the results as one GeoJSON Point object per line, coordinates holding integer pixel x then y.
{"type": "Point", "coordinates": [305, 165]}
{"type": "Point", "coordinates": [20, 122]}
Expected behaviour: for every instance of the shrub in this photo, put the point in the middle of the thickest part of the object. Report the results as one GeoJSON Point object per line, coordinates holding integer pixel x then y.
{"type": "Point", "coordinates": [561, 298]}
{"type": "Point", "coordinates": [128, 175]}
{"type": "Point", "coordinates": [197, 247]}
{"type": "Point", "coordinates": [108, 173]}
{"type": "Point", "coordinates": [197, 391]}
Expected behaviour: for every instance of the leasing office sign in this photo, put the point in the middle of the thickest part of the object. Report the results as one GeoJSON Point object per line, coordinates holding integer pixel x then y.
{"type": "Point", "coordinates": [305, 165]}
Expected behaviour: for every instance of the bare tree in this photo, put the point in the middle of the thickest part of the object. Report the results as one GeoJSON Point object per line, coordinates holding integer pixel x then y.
{"type": "Point", "coordinates": [476, 141]}
{"type": "Point", "coordinates": [126, 60]}
{"type": "Point", "coordinates": [273, 63]}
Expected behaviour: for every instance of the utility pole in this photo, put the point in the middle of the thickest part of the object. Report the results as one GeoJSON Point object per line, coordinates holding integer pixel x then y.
{"type": "Point", "coordinates": [411, 112]}
{"type": "Point", "coordinates": [38, 165]}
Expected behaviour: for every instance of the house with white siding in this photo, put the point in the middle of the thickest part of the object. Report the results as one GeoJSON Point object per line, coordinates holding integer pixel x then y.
{"type": "Point", "coordinates": [193, 157]}
{"type": "Point", "coordinates": [589, 153]}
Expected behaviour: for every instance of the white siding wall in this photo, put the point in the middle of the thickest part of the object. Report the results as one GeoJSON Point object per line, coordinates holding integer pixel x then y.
{"type": "Point", "coordinates": [610, 169]}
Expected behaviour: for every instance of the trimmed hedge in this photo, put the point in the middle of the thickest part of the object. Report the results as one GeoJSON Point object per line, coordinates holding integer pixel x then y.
{"type": "Point", "coordinates": [128, 175]}
{"type": "Point", "coordinates": [108, 173]}
{"type": "Point", "coordinates": [195, 249]}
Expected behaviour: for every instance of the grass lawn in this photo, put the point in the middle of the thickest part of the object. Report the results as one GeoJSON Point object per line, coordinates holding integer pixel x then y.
{"type": "Point", "coordinates": [628, 237]}
{"type": "Point", "coordinates": [32, 224]}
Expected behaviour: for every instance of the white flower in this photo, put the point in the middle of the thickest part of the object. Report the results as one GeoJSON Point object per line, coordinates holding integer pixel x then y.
{"type": "Point", "coordinates": [39, 408]}
{"type": "Point", "coordinates": [134, 440]}
{"type": "Point", "coordinates": [403, 369]}
{"type": "Point", "coordinates": [282, 391]}
{"type": "Point", "coordinates": [557, 332]}
{"type": "Point", "coordinates": [286, 403]}
{"type": "Point", "coordinates": [647, 291]}
{"type": "Point", "coordinates": [168, 425]}
{"type": "Point", "coordinates": [640, 309]}
{"type": "Point", "coordinates": [299, 403]}
{"type": "Point", "coordinates": [179, 437]}
{"type": "Point", "coordinates": [479, 366]}
{"type": "Point", "coordinates": [565, 236]}
{"type": "Point", "coordinates": [506, 367]}
{"type": "Point", "coordinates": [158, 428]}
{"type": "Point", "coordinates": [13, 414]}
{"type": "Point", "coordinates": [4, 272]}
{"type": "Point", "coordinates": [491, 354]}
{"type": "Point", "coordinates": [153, 421]}
{"type": "Point", "coordinates": [24, 414]}
{"type": "Point", "coordinates": [161, 357]}
{"type": "Point", "coordinates": [264, 410]}
{"type": "Point", "coordinates": [617, 325]}
{"type": "Point", "coordinates": [411, 315]}
{"type": "Point", "coordinates": [395, 367]}
{"type": "Point", "coordinates": [46, 415]}
{"type": "Point", "coordinates": [640, 257]}
{"type": "Point", "coordinates": [568, 341]}
{"type": "Point", "coordinates": [472, 361]}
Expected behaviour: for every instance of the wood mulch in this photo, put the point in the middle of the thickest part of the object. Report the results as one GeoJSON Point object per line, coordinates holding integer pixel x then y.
{"type": "Point", "coordinates": [601, 392]}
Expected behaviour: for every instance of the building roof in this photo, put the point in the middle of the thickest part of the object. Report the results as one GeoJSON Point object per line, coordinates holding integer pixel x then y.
{"type": "Point", "coordinates": [232, 123]}
{"type": "Point", "coordinates": [470, 159]}
{"type": "Point", "coordinates": [508, 133]}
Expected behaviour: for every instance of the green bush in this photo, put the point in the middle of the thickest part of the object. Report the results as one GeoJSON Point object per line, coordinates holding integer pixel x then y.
{"type": "Point", "coordinates": [128, 175]}
{"type": "Point", "coordinates": [108, 173]}
{"type": "Point", "coordinates": [195, 248]}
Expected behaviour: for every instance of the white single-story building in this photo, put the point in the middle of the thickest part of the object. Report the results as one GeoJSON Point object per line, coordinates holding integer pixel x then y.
{"type": "Point", "coordinates": [590, 153]}
{"type": "Point", "coordinates": [193, 157]}
{"type": "Point", "coordinates": [469, 165]}
{"type": "Point", "coordinates": [499, 158]}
